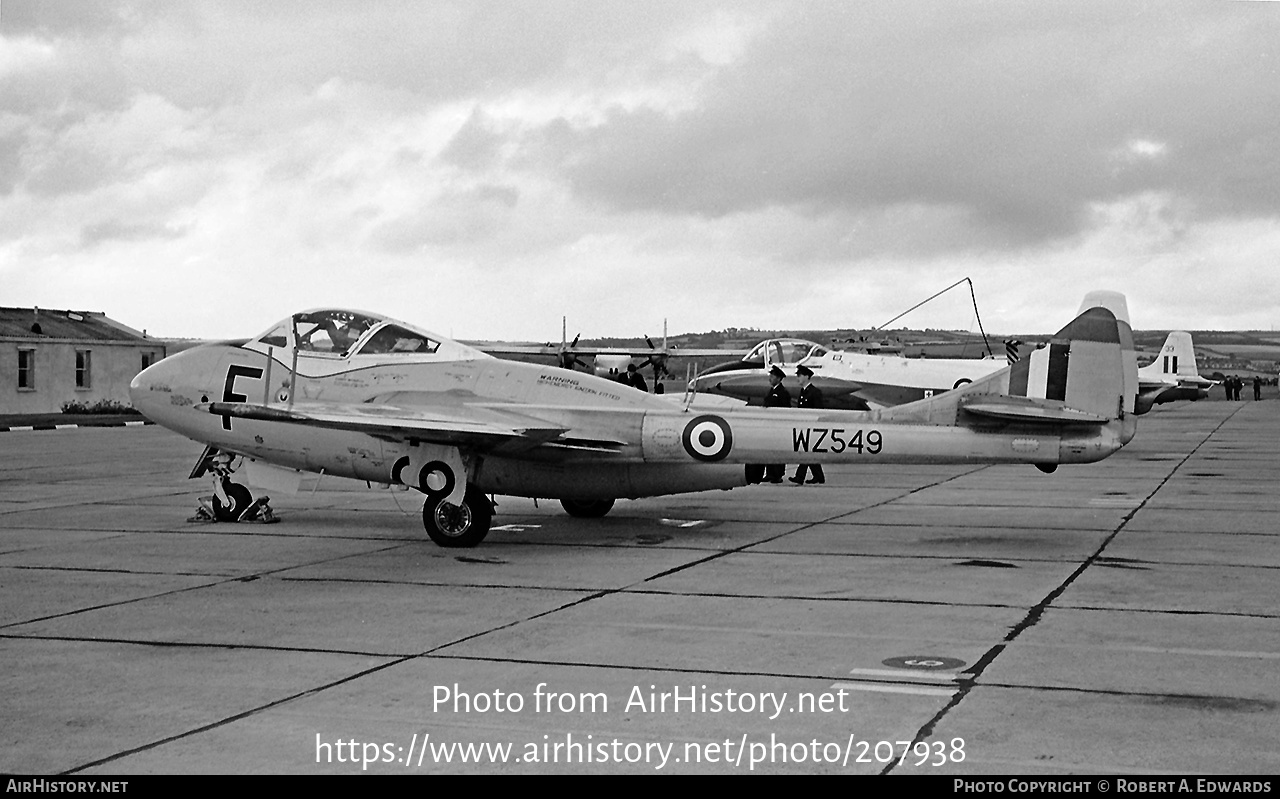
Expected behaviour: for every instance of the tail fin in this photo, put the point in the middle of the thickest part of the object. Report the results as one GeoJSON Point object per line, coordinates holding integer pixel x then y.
{"type": "Point", "coordinates": [1081, 369]}
{"type": "Point", "coordinates": [1115, 302]}
{"type": "Point", "coordinates": [1177, 358]}
{"type": "Point", "coordinates": [1173, 375]}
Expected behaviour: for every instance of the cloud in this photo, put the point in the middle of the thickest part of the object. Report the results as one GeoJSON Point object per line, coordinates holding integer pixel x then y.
{"type": "Point", "coordinates": [66, 18]}
{"type": "Point", "coordinates": [462, 217]}
{"type": "Point", "coordinates": [725, 163]}
{"type": "Point", "coordinates": [117, 230]}
{"type": "Point", "coordinates": [1012, 118]}
{"type": "Point", "coordinates": [106, 148]}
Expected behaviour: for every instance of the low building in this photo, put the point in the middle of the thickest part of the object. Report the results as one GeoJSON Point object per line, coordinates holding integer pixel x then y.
{"type": "Point", "coordinates": [49, 358]}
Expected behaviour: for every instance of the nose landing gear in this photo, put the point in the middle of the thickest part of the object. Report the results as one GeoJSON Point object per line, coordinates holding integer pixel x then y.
{"type": "Point", "coordinates": [231, 502]}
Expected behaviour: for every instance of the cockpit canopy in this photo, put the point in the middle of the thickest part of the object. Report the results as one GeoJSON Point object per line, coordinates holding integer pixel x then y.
{"type": "Point", "coordinates": [785, 352]}
{"type": "Point", "coordinates": [330, 331]}
{"type": "Point", "coordinates": [341, 333]}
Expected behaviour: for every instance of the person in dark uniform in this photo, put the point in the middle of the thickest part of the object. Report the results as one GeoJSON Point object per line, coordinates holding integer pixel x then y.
{"type": "Point", "coordinates": [635, 379]}
{"type": "Point", "coordinates": [809, 396]}
{"type": "Point", "coordinates": [778, 397]}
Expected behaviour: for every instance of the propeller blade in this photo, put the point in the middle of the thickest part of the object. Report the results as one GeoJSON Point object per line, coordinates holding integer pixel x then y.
{"type": "Point", "coordinates": [659, 364]}
{"type": "Point", "coordinates": [566, 358]}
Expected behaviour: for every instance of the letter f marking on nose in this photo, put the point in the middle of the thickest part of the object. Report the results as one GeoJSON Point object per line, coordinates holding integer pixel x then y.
{"type": "Point", "coordinates": [228, 388]}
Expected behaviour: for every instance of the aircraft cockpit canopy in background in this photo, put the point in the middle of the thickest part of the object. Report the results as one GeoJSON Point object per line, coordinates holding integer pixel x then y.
{"type": "Point", "coordinates": [342, 333]}
{"type": "Point", "coordinates": [785, 352]}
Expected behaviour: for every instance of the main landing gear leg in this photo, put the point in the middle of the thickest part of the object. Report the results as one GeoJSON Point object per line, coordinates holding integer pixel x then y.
{"type": "Point", "coordinates": [463, 525]}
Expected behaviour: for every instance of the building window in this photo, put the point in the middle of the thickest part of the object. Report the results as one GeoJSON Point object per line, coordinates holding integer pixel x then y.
{"type": "Point", "coordinates": [26, 370]}
{"type": "Point", "coordinates": [84, 374]}
{"type": "Point", "coordinates": [148, 358]}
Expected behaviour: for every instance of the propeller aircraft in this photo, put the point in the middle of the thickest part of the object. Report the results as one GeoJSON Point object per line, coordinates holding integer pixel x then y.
{"type": "Point", "coordinates": [852, 380]}
{"type": "Point", "coordinates": [357, 395]}
{"type": "Point", "coordinates": [607, 361]}
{"type": "Point", "coordinates": [859, 380]}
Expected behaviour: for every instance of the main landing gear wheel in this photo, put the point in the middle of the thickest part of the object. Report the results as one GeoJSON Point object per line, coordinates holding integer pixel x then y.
{"type": "Point", "coordinates": [239, 497]}
{"type": "Point", "coordinates": [463, 525]}
{"type": "Point", "coordinates": [587, 508]}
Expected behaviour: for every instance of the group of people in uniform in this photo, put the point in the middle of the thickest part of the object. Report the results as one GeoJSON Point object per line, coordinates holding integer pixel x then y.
{"type": "Point", "coordinates": [809, 396]}
{"type": "Point", "coordinates": [1233, 385]}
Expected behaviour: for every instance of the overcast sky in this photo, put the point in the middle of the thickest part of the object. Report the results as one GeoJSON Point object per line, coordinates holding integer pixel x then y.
{"type": "Point", "coordinates": [481, 169]}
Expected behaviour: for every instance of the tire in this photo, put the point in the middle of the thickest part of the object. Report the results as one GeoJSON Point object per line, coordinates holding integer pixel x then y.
{"type": "Point", "coordinates": [240, 498]}
{"type": "Point", "coordinates": [463, 525]}
{"type": "Point", "coordinates": [587, 508]}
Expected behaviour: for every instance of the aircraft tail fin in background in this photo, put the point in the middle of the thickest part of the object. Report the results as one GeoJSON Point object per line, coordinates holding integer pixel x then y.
{"type": "Point", "coordinates": [1177, 358]}
{"type": "Point", "coordinates": [1113, 301]}
{"type": "Point", "coordinates": [1173, 375]}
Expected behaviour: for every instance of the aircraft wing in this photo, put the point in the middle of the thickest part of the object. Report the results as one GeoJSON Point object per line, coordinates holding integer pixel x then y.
{"type": "Point", "coordinates": [552, 350]}
{"type": "Point", "coordinates": [498, 348]}
{"type": "Point", "coordinates": [484, 429]}
{"type": "Point", "coordinates": [705, 352]}
{"type": "Point", "coordinates": [1028, 409]}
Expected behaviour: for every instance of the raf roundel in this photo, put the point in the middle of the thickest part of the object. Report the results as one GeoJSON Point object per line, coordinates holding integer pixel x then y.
{"type": "Point", "coordinates": [708, 438]}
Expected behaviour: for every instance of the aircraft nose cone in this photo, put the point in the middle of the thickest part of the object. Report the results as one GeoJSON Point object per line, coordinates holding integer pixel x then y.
{"type": "Point", "coordinates": [155, 391]}
{"type": "Point", "coordinates": [171, 391]}
{"type": "Point", "coordinates": [140, 389]}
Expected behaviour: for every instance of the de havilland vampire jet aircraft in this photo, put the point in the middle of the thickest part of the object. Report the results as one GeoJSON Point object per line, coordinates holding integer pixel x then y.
{"type": "Point", "coordinates": [356, 395]}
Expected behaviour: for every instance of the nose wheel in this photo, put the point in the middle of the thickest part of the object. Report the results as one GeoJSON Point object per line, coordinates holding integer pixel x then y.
{"type": "Point", "coordinates": [238, 499]}
{"type": "Point", "coordinates": [463, 525]}
{"type": "Point", "coordinates": [231, 502]}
